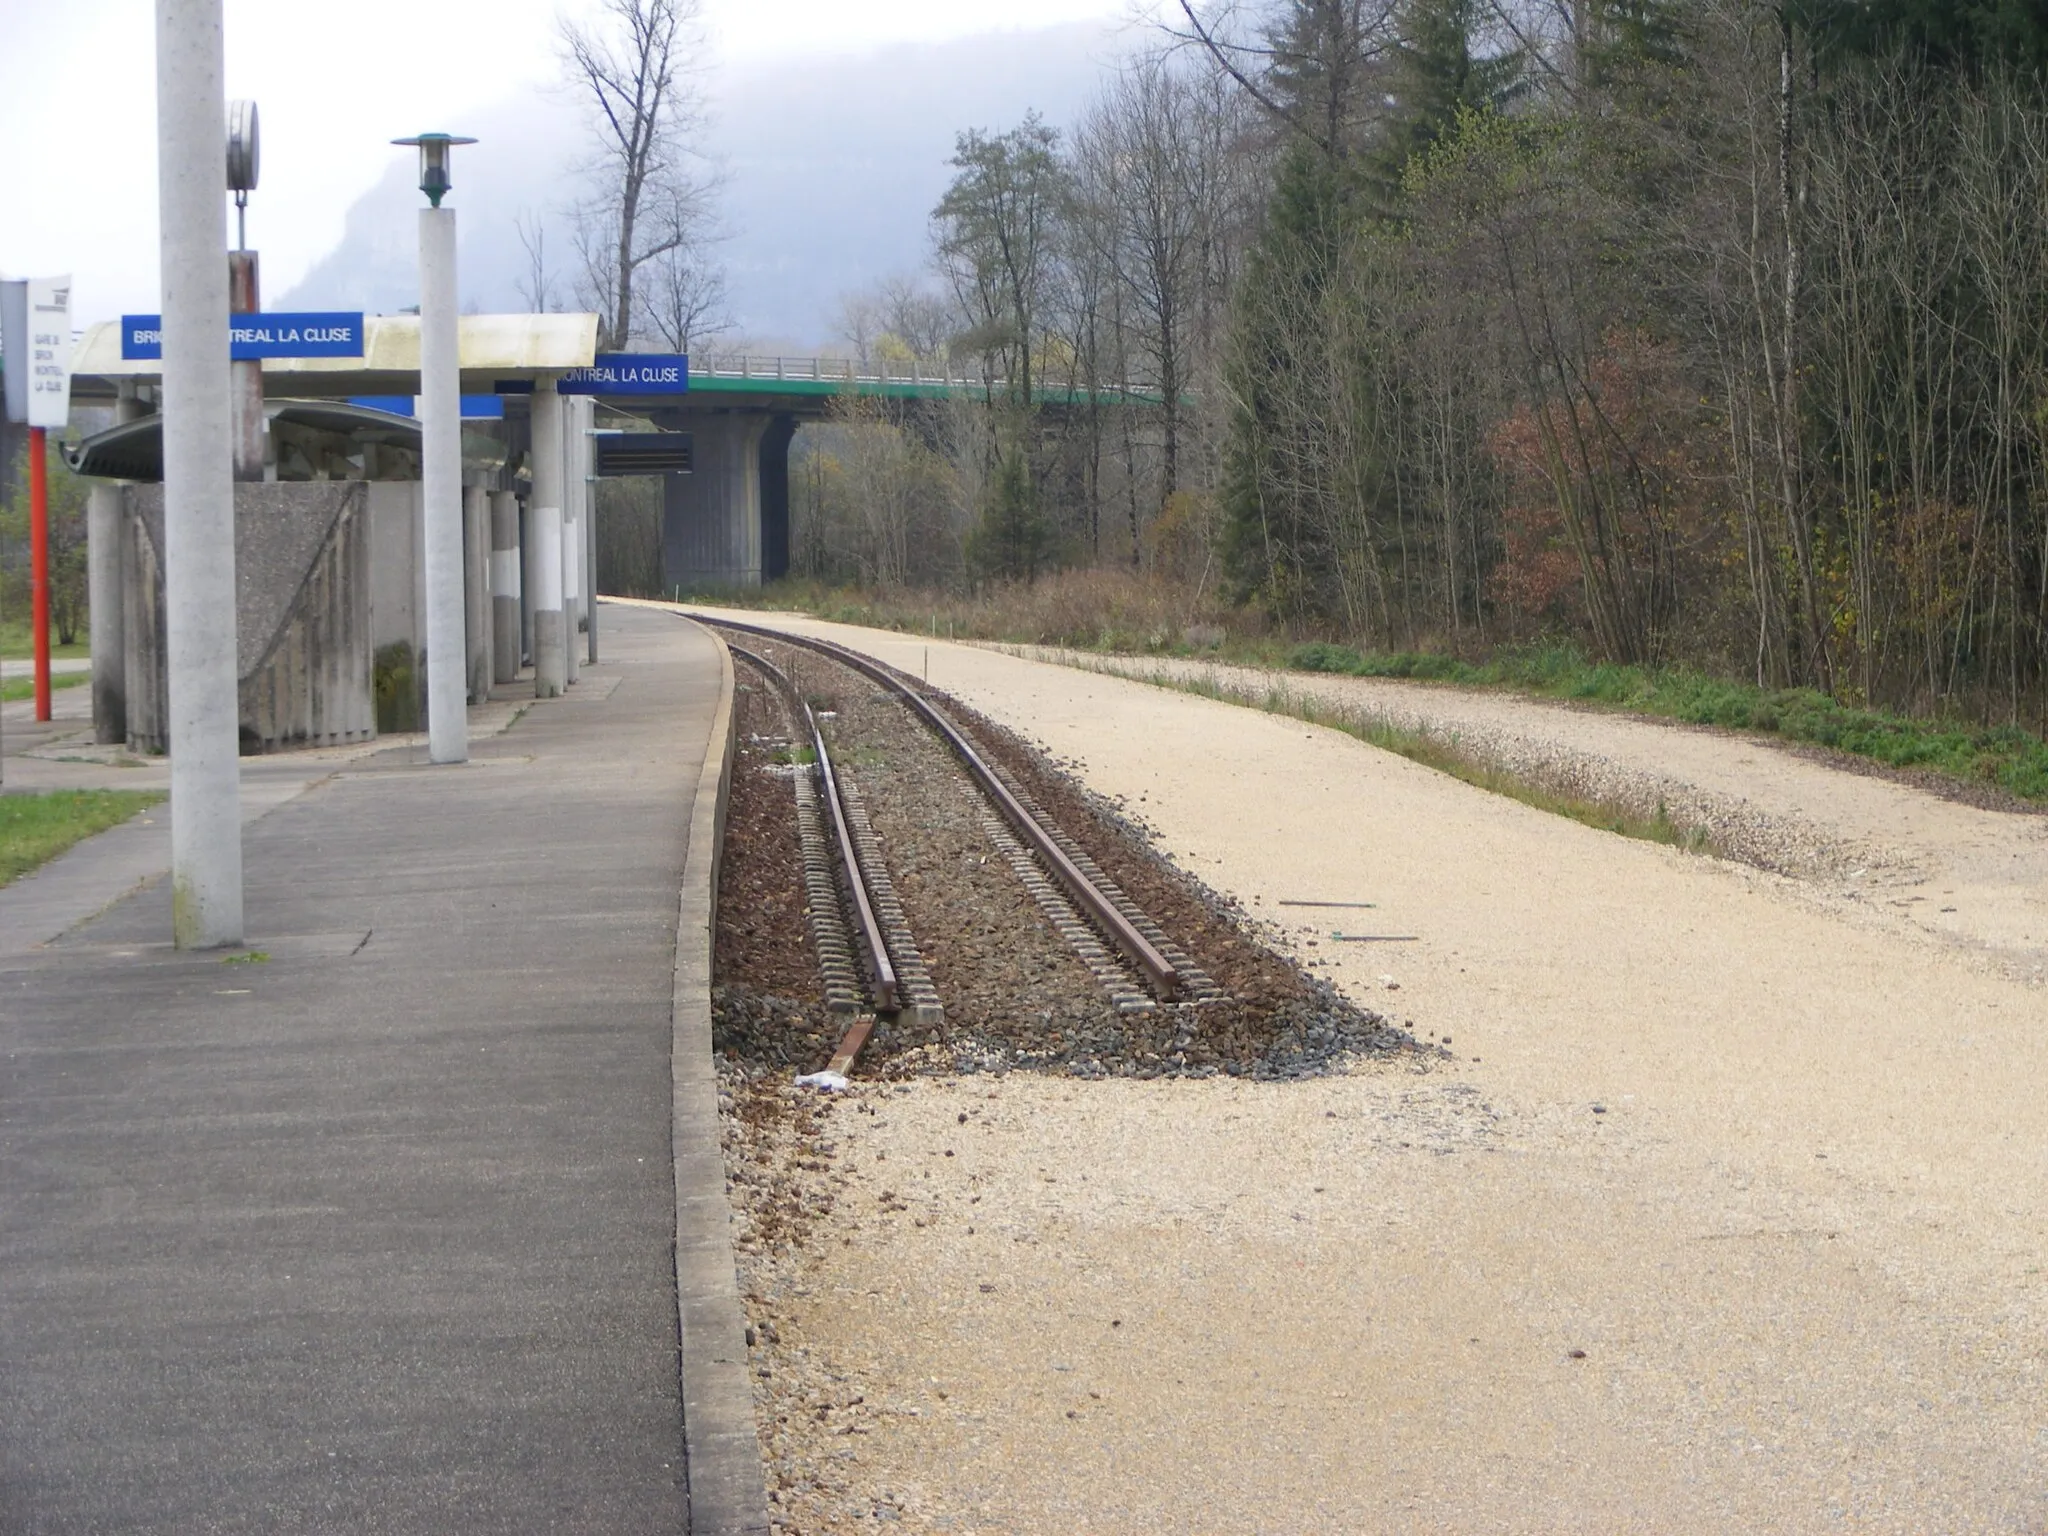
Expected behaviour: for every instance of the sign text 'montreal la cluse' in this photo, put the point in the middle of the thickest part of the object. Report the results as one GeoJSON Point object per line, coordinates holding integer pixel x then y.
{"type": "Point", "coordinates": [313, 334]}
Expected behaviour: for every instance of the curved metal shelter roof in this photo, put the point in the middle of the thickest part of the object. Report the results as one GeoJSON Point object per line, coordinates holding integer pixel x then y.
{"type": "Point", "coordinates": [134, 450]}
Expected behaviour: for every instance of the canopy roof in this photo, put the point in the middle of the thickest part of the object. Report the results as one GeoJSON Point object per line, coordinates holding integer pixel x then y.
{"type": "Point", "coordinates": [491, 348]}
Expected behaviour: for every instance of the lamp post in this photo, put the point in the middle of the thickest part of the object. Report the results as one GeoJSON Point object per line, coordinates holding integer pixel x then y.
{"type": "Point", "coordinates": [244, 291]}
{"type": "Point", "coordinates": [199, 497]}
{"type": "Point", "coordinates": [440, 410]}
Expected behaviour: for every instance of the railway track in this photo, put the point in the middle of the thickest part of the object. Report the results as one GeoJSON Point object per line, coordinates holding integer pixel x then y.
{"type": "Point", "coordinates": [867, 952]}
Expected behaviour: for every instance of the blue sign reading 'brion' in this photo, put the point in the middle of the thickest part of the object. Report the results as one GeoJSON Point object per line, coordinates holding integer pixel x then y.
{"type": "Point", "coordinates": [629, 373]}
{"type": "Point", "coordinates": [313, 334]}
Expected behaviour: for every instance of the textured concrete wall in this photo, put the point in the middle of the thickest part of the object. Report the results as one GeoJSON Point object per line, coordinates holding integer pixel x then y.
{"type": "Point", "coordinates": [711, 517]}
{"type": "Point", "coordinates": [302, 614]}
{"type": "Point", "coordinates": [395, 563]}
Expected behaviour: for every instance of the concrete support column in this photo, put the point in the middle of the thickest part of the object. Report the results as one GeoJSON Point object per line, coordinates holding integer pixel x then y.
{"type": "Point", "coordinates": [550, 643]}
{"type": "Point", "coordinates": [504, 586]}
{"type": "Point", "coordinates": [103, 509]}
{"type": "Point", "coordinates": [711, 517]}
{"type": "Point", "coordinates": [199, 498]}
{"type": "Point", "coordinates": [575, 410]}
{"type": "Point", "coordinates": [476, 594]}
{"type": "Point", "coordinates": [440, 408]}
{"type": "Point", "coordinates": [106, 600]}
{"type": "Point", "coordinates": [775, 497]}
{"type": "Point", "coordinates": [586, 460]}
{"type": "Point", "coordinates": [528, 582]}
{"type": "Point", "coordinates": [572, 595]}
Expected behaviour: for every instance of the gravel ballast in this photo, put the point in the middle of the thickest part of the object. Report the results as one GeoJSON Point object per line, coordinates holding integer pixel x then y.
{"type": "Point", "coordinates": [1718, 1212]}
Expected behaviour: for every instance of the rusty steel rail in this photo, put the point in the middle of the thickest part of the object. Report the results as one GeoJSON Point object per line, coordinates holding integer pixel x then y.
{"type": "Point", "coordinates": [881, 970]}
{"type": "Point", "coordinates": [1139, 950]}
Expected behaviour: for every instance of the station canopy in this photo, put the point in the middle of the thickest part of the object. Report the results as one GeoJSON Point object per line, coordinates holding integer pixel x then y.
{"type": "Point", "coordinates": [495, 351]}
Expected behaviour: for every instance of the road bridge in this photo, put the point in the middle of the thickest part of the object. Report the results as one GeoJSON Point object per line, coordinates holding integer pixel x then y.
{"type": "Point", "coordinates": [725, 520]}
{"type": "Point", "coordinates": [726, 523]}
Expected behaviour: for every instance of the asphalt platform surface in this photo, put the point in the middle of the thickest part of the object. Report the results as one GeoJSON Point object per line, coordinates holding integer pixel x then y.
{"type": "Point", "coordinates": [369, 1228]}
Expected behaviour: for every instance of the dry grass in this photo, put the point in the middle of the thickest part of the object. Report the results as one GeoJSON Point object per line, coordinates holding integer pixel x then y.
{"type": "Point", "coordinates": [1097, 610]}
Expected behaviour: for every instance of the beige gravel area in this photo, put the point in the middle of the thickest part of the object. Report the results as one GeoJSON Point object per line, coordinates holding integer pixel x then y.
{"type": "Point", "coordinates": [1772, 1155]}
{"type": "Point", "coordinates": [1912, 859]}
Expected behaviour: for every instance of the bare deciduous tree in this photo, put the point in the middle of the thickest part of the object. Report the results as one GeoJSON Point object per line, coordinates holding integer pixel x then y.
{"type": "Point", "coordinates": [647, 188]}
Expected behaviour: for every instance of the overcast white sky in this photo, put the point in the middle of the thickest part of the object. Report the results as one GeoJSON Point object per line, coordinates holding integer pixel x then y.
{"type": "Point", "coordinates": [333, 83]}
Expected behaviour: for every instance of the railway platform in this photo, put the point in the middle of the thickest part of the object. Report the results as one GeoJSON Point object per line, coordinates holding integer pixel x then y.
{"type": "Point", "coordinates": [377, 1224]}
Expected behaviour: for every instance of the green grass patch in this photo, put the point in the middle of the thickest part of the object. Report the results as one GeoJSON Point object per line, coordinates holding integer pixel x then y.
{"type": "Point", "coordinates": [1103, 613]}
{"type": "Point", "coordinates": [36, 828]}
{"type": "Point", "coordinates": [2012, 758]}
{"type": "Point", "coordinates": [1445, 755]}
{"type": "Point", "coordinates": [25, 687]}
{"type": "Point", "coordinates": [248, 957]}
{"type": "Point", "coordinates": [17, 641]}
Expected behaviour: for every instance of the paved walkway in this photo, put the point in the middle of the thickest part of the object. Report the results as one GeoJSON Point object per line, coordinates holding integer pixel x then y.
{"type": "Point", "coordinates": [59, 665]}
{"type": "Point", "coordinates": [374, 1234]}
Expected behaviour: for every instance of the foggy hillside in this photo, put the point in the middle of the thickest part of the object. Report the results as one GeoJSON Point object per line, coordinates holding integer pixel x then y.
{"type": "Point", "coordinates": [832, 167]}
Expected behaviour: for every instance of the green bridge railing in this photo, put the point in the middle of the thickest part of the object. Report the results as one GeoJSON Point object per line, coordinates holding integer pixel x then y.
{"type": "Point", "coordinates": [737, 373]}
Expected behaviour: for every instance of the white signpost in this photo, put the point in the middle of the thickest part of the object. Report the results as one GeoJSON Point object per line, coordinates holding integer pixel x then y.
{"type": "Point", "coordinates": [37, 343]}
{"type": "Point", "coordinates": [49, 341]}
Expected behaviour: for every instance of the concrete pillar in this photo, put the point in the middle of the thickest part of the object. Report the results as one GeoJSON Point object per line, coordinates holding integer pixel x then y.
{"type": "Point", "coordinates": [550, 643]}
{"type": "Point", "coordinates": [103, 511]}
{"type": "Point", "coordinates": [440, 409]}
{"type": "Point", "coordinates": [711, 517]}
{"type": "Point", "coordinates": [199, 494]}
{"type": "Point", "coordinates": [505, 647]}
{"type": "Point", "coordinates": [576, 412]}
{"type": "Point", "coordinates": [572, 594]}
{"type": "Point", "coordinates": [528, 583]}
{"type": "Point", "coordinates": [106, 601]}
{"type": "Point", "coordinates": [476, 593]}
{"type": "Point", "coordinates": [586, 460]}
{"type": "Point", "coordinates": [775, 497]}
{"type": "Point", "coordinates": [245, 385]}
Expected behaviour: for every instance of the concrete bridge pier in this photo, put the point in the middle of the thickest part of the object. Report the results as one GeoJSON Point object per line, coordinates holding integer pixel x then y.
{"type": "Point", "coordinates": [711, 517]}
{"type": "Point", "coordinates": [775, 497]}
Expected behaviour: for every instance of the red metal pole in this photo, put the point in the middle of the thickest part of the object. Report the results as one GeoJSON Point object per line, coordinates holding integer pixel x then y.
{"type": "Point", "coordinates": [39, 564]}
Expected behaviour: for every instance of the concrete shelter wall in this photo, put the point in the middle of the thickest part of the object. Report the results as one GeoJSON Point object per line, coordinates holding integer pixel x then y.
{"type": "Point", "coordinates": [302, 614]}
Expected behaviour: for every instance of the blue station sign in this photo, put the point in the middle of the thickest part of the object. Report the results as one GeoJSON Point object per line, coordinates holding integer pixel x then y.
{"type": "Point", "coordinates": [314, 334]}
{"type": "Point", "coordinates": [629, 373]}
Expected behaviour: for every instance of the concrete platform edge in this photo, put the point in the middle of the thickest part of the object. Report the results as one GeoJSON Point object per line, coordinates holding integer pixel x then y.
{"type": "Point", "coordinates": [721, 1450]}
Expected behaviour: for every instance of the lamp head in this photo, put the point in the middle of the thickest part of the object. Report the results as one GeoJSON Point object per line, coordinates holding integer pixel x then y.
{"type": "Point", "coordinates": [243, 162]}
{"type": "Point", "coordinates": [434, 149]}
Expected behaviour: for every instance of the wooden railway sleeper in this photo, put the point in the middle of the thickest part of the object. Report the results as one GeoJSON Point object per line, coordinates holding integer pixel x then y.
{"type": "Point", "coordinates": [1196, 984]}
{"type": "Point", "coordinates": [1126, 991]}
{"type": "Point", "coordinates": [1112, 917]}
{"type": "Point", "coordinates": [917, 999]}
{"type": "Point", "coordinates": [881, 970]}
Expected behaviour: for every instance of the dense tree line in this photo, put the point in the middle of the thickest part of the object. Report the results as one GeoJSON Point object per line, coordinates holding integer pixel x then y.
{"type": "Point", "coordinates": [1704, 331]}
